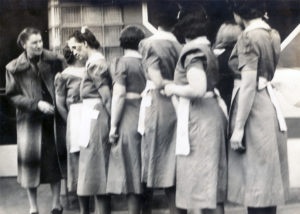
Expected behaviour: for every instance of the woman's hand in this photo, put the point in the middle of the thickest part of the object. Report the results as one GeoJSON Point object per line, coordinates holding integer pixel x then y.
{"type": "Point", "coordinates": [169, 89]}
{"type": "Point", "coordinates": [236, 140]}
{"type": "Point", "coordinates": [113, 136]}
{"type": "Point", "coordinates": [46, 107]}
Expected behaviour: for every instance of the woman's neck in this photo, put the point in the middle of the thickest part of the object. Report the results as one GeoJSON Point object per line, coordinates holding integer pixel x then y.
{"type": "Point", "coordinates": [252, 21]}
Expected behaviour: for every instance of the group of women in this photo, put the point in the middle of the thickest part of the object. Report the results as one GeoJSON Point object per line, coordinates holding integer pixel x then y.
{"type": "Point", "coordinates": [153, 118]}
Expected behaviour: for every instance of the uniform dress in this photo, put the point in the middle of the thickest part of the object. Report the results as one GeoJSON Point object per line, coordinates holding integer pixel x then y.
{"type": "Point", "coordinates": [202, 174]}
{"type": "Point", "coordinates": [124, 173]}
{"type": "Point", "coordinates": [27, 82]}
{"type": "Point", "coordinates": [67, 85]}
{"type": "Point", "coordinates": [93, 160]}
{"type": "Point", "coordinates": [158, 141]}
{"type": "Point", "coordinates": [259, 177]}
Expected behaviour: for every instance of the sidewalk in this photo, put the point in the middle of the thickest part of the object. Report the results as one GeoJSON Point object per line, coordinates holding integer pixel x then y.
{"type": "Point", "coordinates": [13, 200]}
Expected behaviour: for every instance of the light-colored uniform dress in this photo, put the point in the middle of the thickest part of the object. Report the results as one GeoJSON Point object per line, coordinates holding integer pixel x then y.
{"type": "Point", "coordinates": [94, 153]}
{"type": "Point", "coordinates": [158, 141]}
{"type": "Point", "coordinates": [124, 172]}
{"type": "Point", "coordinates": [67, 85]}
{"type": "Point", "coordinates": [259, 177]}
{"type": "Point", "coordinates": [201, 176]}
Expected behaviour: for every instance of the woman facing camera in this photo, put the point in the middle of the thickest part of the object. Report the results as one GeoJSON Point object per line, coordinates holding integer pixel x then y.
{"type": "Point", "coordinates": [96, 97]}
{"type": "Point", "coordinates": [30, 87]}
{"type": "Point", "coordinates": [258, 168]}
{"type": "Point", "coordinates": [124, 173]}
{"type": "Point", "coordinates": [201, 171]}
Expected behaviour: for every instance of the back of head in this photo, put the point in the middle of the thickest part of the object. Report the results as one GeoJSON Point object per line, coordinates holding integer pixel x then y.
{"type": "Point", "coordinates": [69, 56]}
{"type": "Point", "coordinates": [131, 36]}
{"type": "Point", "coordinates": [25, 34]}
{"type": "Point", "coordinates": [227, 35]}
{"type": "Point", "coordinates": [248, 9]}
{"type": "Point", "coordinates": [85, 35]}
{"type": "Point", "coordinates": [192, 21]}
{"type": "Point", "coordinates": [165, 13]}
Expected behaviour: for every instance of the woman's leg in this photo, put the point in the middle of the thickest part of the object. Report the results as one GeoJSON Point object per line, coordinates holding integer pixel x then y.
{"type": "Point", "coordinates": [55, 189]}
{"type": "Point", "coordinates": [262, 210]}
{"type": "Point", "coordinates": [84, 204]}
{"type": "Point", "coordinates": [32, 196]}
{"type": "Point", "coordinates": [102, 203]}
{"type": "Point", "coordinates": [171, 193]}
{"type": "Point", "coordinates": [146, 200]}
{"type": "Point", "coordinates": [133, 201]}
{"type": "Point", "coordinates": [218, 210]}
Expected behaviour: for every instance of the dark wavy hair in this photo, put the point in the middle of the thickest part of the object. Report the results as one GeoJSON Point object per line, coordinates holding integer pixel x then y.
{"type": "Point", "coordinates": [85, 35]}
{"type": "Point", "coordinates": [130, 37]}
{"type": "Point", "coordinates": [69, 56]}
{"type": "Point", "coordinates": [192, 22]}
{"type": "Point", "coordinates": [25, 34]}
{"type": "Point", "coordinates": [166, 13]}
{"type": "Point", "coordinates": [248, 9]}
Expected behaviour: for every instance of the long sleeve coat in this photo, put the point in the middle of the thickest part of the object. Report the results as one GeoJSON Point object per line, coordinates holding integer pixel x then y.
{"type": "Point", "coordinates": [24, 89]}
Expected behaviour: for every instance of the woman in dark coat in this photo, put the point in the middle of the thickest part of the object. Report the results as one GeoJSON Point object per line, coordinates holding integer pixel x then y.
{"type": "Point", "coordinates": [258, 174]}
{"type": "Point", "coordinates": [30, 87]}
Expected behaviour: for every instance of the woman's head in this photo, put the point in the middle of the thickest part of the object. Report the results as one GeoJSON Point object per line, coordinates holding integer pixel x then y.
{"type": "Point", "coordinates": [227, 35]}
{"type": "Point", "coordinates": [130, 37]}
{"type": "Point", "coordinates": [30, 40]}
{"type": "Point", "coordinates": [248, 9]}
{"type": "Point", "coordinates": [69, 56]}
{"type": "Point", "coordinates": [166, 14]}
{"type": "Point", "coordinates": [81, 41]}
{"type": "Point", "coordinates": [192, 22]}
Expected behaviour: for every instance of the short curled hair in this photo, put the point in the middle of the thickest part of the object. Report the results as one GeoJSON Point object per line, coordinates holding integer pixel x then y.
{"type": "Point", "coordinates": [193, 22]}
{"type": "Point", "coordinates": [68, 55]}
{"type": "Point", "coordinates": [25, 34]}
{"type": "Point", "coordinates": [130, 37]}
{"type": "Point", "coordinates": [86, 36]}
{"type": "Point", "coordinates": [248, 9]}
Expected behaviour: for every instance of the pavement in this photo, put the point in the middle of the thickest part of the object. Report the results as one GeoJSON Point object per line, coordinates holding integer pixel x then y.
{"type": "Point", "coordinates": [13, 200]}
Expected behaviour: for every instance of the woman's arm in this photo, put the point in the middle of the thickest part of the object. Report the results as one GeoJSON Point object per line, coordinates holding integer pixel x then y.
{"type": "Point", "coordinates": [197, 83]}
{"type": "Point", "coordinates": [245, 101]}
{"type": "Point", "coordinates": [61, 106]}
{"type": "Point", "coordinates": [118, 101]}
{"type": "Point", "coordinates": [155, 76]}
{"type": "Point", "coordinates": [19, 100]}
{"type": "Point", "coordinates": [105, 94]}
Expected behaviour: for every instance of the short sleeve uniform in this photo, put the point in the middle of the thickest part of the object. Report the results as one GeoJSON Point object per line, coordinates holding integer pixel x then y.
{"type": "Point", "coordinates": [93, 160]}
{"type": "Point", "coordinates": [266, 152]}
{"type": "Point", "coordinates": [202, 175]}
{"type": "Point", "coordinates": [124, 171]}
{"type": "Point", "coordinates": [158, 142]}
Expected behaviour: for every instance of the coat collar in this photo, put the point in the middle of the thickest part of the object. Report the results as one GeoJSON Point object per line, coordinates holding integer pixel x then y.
{"type": "Point", "coordinates": [22, 62]}
{"type": "Point", "coordinates": [257, 24]}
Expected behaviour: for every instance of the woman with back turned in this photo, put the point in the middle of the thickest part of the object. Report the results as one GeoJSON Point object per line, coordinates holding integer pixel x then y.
{"type": "Point", "coordinates": [201, 166]}
{"type": "Point", "coordinates": [258, 167]}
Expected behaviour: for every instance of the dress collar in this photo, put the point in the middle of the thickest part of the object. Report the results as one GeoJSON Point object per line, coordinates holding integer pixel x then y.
{"type": "Point", "coordinates": [132, 53]}
{"type": "Point", "coordinates": [165, 35]}
{"type": "Point", "coordinates": [257, 24]}
{"type": "Point", "coordinates": [94, 57]}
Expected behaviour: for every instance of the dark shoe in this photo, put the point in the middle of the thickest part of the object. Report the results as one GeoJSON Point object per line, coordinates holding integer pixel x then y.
{"type": "Point", "coordinates": [57, 211]}
{"type": "Point", "coordinates": [35, 213]}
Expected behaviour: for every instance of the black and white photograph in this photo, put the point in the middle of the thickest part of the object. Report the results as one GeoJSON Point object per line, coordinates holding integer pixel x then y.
{"type": "Point", "coordinates": [149, 106]}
